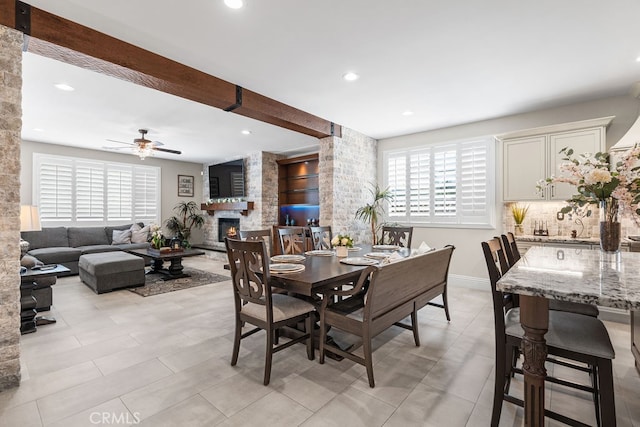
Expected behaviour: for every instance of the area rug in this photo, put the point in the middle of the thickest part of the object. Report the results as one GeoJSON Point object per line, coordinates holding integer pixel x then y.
{"type": "Point", "coordinates": [155, 285]}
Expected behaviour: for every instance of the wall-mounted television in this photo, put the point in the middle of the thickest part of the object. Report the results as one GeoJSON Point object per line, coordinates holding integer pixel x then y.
{"type": "Point", "coordinates": [226, 180]}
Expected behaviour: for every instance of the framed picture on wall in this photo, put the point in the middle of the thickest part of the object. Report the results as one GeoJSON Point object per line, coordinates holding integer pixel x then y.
{"type": "Point", "coordinates": [185, 186]}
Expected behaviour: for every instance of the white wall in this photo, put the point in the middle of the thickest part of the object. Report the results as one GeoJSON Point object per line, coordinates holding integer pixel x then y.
{"type": "Point", "coordinates": [169, 174]}
{"type": "Point", "coordinates": [468, 259]}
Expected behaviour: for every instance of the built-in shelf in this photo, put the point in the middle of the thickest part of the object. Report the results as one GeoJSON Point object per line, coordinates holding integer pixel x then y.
{"type": "Point", "coordinates": [298, 189]}
{"type": "Point", "coordinates": [243, 207]}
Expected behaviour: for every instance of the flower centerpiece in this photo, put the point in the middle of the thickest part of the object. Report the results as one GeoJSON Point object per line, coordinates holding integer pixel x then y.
{"type": "Point", "coordinates": [156, 236]}
{"type": "Point", "coordinates": [612, 189]}
{"type": "Point", "coordinates": [342, 243]}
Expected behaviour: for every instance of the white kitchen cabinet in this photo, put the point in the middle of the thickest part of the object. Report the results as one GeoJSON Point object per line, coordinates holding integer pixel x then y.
{"type": "Point", "coordinates": [529, 156]}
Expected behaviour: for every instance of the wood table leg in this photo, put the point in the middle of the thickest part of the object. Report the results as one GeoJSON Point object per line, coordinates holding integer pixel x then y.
{"type": "Point", "coordinates": [534, 317]}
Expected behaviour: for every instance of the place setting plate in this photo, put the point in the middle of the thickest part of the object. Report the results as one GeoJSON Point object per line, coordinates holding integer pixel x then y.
{"type": "Point", "coordinates": [320, 252]}
{"type": "Point", "coordinates": [358, 260]}
{"type": "Point", "coordinates": [288, 258]}
{"type": "Point", "coordinates": [377, 255]}
{"type": "Point", "coordinates": [386, 247]}
{"type": "Point", "coordinates": [285, 268]}
{"type": "Point", "coordinates": [355, 248]}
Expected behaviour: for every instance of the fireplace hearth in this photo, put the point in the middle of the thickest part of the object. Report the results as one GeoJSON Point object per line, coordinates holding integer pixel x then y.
{"type": "Point", "coordinates": [228, 227]}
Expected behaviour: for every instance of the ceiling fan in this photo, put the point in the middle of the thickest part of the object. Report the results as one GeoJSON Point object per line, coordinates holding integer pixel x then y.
{"type": "Point", "coordinates": [143, 147]}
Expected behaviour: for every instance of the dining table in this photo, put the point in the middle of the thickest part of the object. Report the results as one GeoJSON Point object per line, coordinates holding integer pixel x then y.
{"type": "Point", "coordinates": [588, 276]}
{"type": "Point", "coordinates": [323, 271]}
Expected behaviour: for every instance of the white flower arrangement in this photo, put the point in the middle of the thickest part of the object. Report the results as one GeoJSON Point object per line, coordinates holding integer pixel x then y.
{"type": "Point", "coordinates": [342, 240]}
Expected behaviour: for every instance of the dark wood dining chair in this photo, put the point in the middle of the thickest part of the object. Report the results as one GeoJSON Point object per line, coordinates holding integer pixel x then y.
{"type": "Point", "coordinates": [255, 304]}
{"type": "Point", "coordinates": [321, 237]}
{"type": "Point", "coordinates": [257, 235]}
{"type": "Point", "coordinates": [512, 254]}
{"type": "Point", "coordinates": [573, 337]}
{"type": "Point", "coordinates": [400, 236]}
{"type": "Point", "coordinates": [292, 240]}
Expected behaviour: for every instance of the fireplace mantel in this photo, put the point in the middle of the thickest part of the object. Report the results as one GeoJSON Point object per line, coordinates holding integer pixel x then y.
{"type": "Point", "coordinates": [243, 207]}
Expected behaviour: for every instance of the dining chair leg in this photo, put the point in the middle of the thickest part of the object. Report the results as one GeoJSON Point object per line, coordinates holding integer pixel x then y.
{"type": "Point", "coordinates": [414, 327]}
{"type": "Point", "coordinates": [308, 326]}
{"type": "Point", "coordinates": [323, 338]}
{"type": "Point", "coordinates": [368, 358]}
{"type": "Point", "coordinates": [607, 400]}
{"type": "Point", "coordinates": [595, 384]}
{"type": "Point", "coordinates": [236, 342]}
{"type": "Point", "coordinates": [445, 302]}
{"type": "Point", "coordinates": [499, 384]}
{"type": "Point", "coordinates": [268, 357]}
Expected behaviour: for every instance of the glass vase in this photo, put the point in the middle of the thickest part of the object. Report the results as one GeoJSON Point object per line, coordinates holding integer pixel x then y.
{"type": "Point", "coordinates": [609, 226]}
{"type": "Point", "coordinates": [518, 230]}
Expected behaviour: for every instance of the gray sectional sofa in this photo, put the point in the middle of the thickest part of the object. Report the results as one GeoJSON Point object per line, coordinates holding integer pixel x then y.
{"type": "Point", "coordinates": [65, 245]}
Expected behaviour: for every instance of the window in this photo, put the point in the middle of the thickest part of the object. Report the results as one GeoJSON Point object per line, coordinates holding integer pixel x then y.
{"type": "Point", "coordinates": [72, 191]}
{"type": "Point", "coordinates": [447, 184]}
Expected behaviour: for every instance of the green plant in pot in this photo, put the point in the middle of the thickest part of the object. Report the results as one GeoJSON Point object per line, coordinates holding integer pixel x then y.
{"type": "Point", "coordinates": [371, 212]}
{"type": "Point", "coordinates": [519, 213]}
{"type": "Point", "coordinates": [188, 217]}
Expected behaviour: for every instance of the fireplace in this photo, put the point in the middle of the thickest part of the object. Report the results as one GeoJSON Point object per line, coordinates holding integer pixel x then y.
{"type": "Point", "coordinates": [228, 227]}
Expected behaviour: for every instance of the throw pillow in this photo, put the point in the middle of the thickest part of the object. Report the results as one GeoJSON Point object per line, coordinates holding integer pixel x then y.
{"type": "Point", "coordinates": [121, 237]}
{"type": "Point", "coordinates": [139, 234]}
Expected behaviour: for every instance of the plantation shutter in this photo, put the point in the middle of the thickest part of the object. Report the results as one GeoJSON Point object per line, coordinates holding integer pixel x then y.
{"type": "Point", "coordinates": [146, 200]}
{"type": "Point", "coordinates": [444, 181]}
{"type": "Point", "coordinates": [420, 183]}
{"type": "Point", "coordinates": [119, 192]}
{"type": "Point", "coordinates": [450, 183]}
{"type": "Point", "coordinates": [89, 191]}
{"type": "Point", "coordinates": [54, 193]}
{"type": "Point", "coordinates": [397, 182]}
{"type": "Point", "coordinates": [473, 181]}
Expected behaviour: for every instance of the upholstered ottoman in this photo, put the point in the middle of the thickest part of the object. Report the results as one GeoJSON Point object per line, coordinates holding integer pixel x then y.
{"type": "Point", "coordinates": [106, 271]}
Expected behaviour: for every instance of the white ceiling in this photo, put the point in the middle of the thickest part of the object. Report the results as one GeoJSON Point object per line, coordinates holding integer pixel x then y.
{"type": "Point", "coordinates": [448, 62]}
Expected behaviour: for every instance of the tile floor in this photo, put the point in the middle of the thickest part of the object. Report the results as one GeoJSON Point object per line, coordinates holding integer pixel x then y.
{"type": "Point", "coordinates": [121, 359]}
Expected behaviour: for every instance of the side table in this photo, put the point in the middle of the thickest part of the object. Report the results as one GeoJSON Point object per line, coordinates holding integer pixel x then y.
{"type": "Point", "coordinates": [28, 279]}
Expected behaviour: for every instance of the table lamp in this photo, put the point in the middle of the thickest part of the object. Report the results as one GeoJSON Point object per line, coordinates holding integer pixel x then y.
{"type": "Point", "coordinates": [29, 221]}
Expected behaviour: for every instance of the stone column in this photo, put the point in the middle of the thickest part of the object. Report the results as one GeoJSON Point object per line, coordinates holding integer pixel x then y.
{"type": "Point", "coordinates": [10, 126]}
{"type": "Point", "coordinates": [348, 171]}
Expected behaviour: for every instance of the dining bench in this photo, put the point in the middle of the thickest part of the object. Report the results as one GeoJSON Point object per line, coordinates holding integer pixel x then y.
{"type": "Point", "coordinates": [382, 297]}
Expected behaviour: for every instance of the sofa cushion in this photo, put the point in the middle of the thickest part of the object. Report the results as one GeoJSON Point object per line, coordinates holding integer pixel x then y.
{"type": "Point", "coordinates": [47, 237]}
{"type": "Point", "coordinates": [92, 249]}
{"type": "Point", "coordinates": [121, 237]}
{"type": "Point", "coordinates": [109, 230]}
{"type": "Point", "coordinates": [56, 255]}
{"type": "Point", "coordinates": [85, 236]}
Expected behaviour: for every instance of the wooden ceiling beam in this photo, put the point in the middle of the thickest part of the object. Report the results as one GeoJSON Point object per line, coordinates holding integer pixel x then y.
{"type": "Point", "coordinates": [64, 40]}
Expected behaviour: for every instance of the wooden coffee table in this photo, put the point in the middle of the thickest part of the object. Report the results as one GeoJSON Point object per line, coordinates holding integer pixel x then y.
{"type": "Point", "coordinates": [175, 270]}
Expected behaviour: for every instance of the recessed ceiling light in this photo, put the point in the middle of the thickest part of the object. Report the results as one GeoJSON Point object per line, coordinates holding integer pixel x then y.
{"type": "Point", "coordinates": [234, 4]}
{"type": "Point", "coordinates": [245, 132]}
{"type": "Point", "coordinates": [38, 130]}
{"type": "Point", "coordinates": [351, 76]}
{"type": "Point", "coordinates": [407, 113]}
{"type": "Point", "coordinates": [64, 86]}
{"type": "Point", "coordinates": [638, 59]}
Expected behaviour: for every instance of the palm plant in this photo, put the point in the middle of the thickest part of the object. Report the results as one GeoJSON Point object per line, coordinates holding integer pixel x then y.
{"type": "Point", "coordinates": [371, 212]}
{"type": "Point", "coordinates": [187, 218]}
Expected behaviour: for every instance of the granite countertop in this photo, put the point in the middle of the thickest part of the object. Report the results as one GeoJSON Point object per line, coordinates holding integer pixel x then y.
{"type": "Point", "coordinates": [587, 276]}
{"type": "Point", "coordinates": [565, 239]}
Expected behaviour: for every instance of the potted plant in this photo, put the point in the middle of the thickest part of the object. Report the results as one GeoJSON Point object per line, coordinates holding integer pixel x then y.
{"type": "Point", "coordinates": [188, 217]}
{"type": "Point", "coordinates": [371, 212]}
{"type": "Point", "coordinates": [519, 213]}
